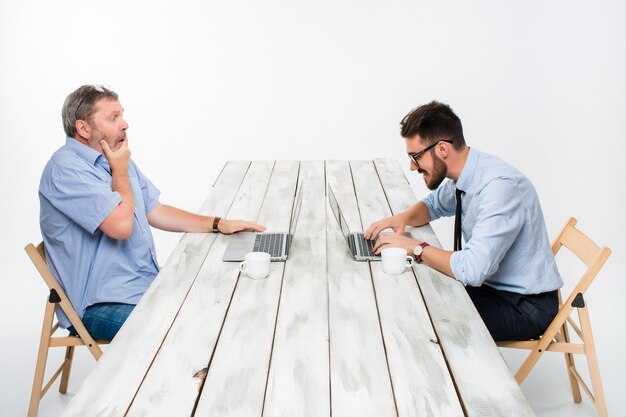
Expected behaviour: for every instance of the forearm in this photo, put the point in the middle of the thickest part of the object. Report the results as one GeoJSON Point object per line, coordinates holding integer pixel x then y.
{"type": "Point", "coordinates": [119, 223]}
{"type": "Point", "coordinates": [438, 259]}
{"type": "Point", "coordinates": [173, 219]}
{"type": "Point", "coordinates": [417, 215]}
{"type": "Point", "coordinates": [121, 184]}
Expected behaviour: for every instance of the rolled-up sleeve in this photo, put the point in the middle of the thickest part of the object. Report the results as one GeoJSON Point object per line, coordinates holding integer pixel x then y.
{"type": "Point", "coordinates": [441, 202]}
{"type": "Point", "coordinates": [499, 220]}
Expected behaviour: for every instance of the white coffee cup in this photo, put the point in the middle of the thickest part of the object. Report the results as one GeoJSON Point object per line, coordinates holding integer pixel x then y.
{"type": "Point", "coordinates": [395, 260]}
{"type": "Point", "coordinates": [256, 265]}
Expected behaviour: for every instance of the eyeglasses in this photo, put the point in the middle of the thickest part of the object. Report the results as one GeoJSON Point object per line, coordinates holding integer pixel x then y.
{"type": "Point", "coordinates": [92, 88]}
{"type": "Point", "coordinates": [416, 156]}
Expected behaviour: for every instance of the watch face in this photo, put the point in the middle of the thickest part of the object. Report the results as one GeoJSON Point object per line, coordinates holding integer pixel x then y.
{"type": "Point", "coordinates": [417, 251]}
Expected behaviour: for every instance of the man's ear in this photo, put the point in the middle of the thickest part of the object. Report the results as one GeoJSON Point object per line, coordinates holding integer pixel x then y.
{"type": "Point", "coordinates": [443, 149]}
{"type": "Point", "coordinates": [83, 129]}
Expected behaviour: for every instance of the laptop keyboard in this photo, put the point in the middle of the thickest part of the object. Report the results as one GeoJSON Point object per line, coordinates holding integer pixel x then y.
{"type": "Point", "coordinates": [271, 243]}
{"type": "Point", "coordinates": [366, 247]}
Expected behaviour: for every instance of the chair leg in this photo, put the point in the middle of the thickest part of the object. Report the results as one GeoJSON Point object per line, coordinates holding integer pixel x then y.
{"type": "Point", "coordinates": [543, 343]}
{"type": "Point", "coordinates": [592, 362]}
{"type": "Point", "coordinates": [67, 368]}
{"type": "Point", "coordinates": [569, 362]}
{"type": "Point", "coordinates": [527, 366]}
{"type": "Point", "coordinates": [42, 357]}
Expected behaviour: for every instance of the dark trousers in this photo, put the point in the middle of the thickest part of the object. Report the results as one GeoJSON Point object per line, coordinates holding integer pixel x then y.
{"type": "Point", "coordinates": [513, 316]}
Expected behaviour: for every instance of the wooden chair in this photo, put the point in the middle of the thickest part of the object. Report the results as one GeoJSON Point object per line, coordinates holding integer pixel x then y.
{"type": "Point", "coordinates": [57, 297]}
{"type": "Point", "coordinates": [556, 338]}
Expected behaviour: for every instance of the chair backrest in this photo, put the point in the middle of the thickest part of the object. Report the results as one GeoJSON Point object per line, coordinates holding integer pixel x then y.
{"type": "Point", "coordinates": [586, 250]}
{"type": "Point", "coordinates": [57, 295]}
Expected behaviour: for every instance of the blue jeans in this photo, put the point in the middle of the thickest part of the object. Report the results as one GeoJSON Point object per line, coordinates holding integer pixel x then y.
{"type": "Point", "coordinates": [103, 320]}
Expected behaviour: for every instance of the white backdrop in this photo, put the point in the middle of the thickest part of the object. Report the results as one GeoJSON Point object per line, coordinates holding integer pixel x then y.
{"type": "Point", "coordinates": [541, 84]}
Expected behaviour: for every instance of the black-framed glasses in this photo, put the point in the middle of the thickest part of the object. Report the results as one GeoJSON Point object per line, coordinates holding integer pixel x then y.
{"type": "Point", "coordinates": [415, 157]}
{"type": "Point", "coordinates": [92, 89]}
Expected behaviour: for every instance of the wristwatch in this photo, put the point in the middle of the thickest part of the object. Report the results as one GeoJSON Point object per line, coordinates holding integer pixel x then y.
{"type": "Point", "coordinates": [418, 250]}
{"type": "Point", "coordinates": [216, 221]}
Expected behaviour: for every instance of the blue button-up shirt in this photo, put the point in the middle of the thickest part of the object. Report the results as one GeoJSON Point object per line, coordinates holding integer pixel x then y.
{"type": "Point", "coordinates": [75, 197]}
{"type": "Point", "coordinates": [507, 244]}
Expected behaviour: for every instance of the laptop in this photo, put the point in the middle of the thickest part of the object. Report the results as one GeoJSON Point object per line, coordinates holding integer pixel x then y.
{"type": "Point", "coordinates": [361, 248]}
{"type": "Point", "coordinates": [276, 244]}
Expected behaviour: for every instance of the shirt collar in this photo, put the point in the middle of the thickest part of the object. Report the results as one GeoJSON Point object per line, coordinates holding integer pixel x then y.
{"type": "Point", "coordinates": [84, 151]}
{"type": "Point", "coordinates": [467, 174]}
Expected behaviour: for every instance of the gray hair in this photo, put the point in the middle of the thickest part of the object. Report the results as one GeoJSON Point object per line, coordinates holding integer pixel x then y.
{"type": "Point", "coordinates": [79, 105]}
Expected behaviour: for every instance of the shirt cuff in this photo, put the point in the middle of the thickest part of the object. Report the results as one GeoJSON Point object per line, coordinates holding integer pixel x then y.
{"type": "Point", "coordinates": [457, 269]}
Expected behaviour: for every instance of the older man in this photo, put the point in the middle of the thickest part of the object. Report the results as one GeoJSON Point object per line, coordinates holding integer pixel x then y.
{"type": "Point", "coordinates": [96, 209]}
{"type": "Point", "coordinates": [506, 263]}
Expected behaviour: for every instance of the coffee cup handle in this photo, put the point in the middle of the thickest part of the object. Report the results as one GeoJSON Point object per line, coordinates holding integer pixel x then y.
{"type": "Point", "coordinates": [242, 267]}
{"type": "Point", "coordinates": [409, 261]}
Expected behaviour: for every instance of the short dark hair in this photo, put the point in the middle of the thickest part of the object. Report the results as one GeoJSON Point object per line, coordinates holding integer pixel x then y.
{"type": "Point", "coordinates": [79, 105]}
{"type": "Point", "coordinates": [433, 122]}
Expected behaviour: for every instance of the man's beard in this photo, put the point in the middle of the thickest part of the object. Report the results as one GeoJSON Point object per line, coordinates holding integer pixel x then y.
{"type": "Point", "coordinates": [438, 174]}
{"type": "Point", "coordinates": [98, 136]}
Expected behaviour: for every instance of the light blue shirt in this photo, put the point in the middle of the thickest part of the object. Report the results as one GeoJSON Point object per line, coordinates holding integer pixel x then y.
{"type": "Point", "coordinates": [507, 244]}
{"type": "Point", "coordinates": [75, 197]}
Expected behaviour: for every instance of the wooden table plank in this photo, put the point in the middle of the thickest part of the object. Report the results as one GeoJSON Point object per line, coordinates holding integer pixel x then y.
{"type": "Point", "coordinates": [236, 380]}
{"type": "Point", "coordinates": [483, 379]}
{"type": "Point", "coordinates": [360, 384]}
{"type": "Point", "coordinates": [298, 382]}
{"type": "Point", "coordinates": [420, 377]}
{"type": "Point", "coordinates": [129, 356]}
{"type": "Point", "coordinates": [171, 387]}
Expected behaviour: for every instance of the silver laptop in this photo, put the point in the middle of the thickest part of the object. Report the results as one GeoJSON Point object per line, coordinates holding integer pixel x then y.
{"type": "Point", "coordinates": [276, 244]}
{"type": "Point", "coordinates": [361, 248]}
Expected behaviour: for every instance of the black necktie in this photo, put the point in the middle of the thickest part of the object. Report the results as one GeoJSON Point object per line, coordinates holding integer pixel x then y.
{"type": "Point", "coordinates": [457, 221]}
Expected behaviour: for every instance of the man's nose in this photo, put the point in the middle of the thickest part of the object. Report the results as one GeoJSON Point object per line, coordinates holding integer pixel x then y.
{"type": "Point", "coordinates": [124, 124]}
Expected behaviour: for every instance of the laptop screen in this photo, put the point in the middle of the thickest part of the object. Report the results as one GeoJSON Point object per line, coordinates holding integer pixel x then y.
{"type": "Point", "coordinates": [338, 214]}
{"type": "Point", "coordinates": [295, 213]}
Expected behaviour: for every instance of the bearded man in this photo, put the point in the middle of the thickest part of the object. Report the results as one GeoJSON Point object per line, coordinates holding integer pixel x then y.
{"type": "Point", "coordinates": [506, 263]}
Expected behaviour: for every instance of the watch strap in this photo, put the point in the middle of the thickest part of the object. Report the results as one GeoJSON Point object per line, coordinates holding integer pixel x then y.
{"type": "Point", "coordinates": [418, 258]}
{"type": "Point", "coordinates": [216, 221]}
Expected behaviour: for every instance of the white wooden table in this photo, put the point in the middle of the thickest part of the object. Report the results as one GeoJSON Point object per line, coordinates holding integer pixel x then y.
{"type": "Point", "coordinates": [322, 334]}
